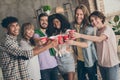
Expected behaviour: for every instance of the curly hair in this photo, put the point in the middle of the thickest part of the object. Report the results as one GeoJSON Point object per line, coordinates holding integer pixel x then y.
{"type": "Point", "coordinates": [8, 20]}
{"type": "Point", "coordinates": [64, 24]}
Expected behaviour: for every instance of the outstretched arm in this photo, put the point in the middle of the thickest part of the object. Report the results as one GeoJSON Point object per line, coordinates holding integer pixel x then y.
{"type": "Point", "coordinates": [37, 50]}
{"type": "Point", "coordinates": [100, 38]}
{"type": "Point", "coordinates": [76, 43]}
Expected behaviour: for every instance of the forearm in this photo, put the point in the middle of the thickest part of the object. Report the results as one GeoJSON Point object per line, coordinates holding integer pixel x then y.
{"type": "Point", "coordinates": [16, 51]}
{"type": "Point", "coordinates": [80, 44]}
{"type": "Point", "coordinates": [37, 50]}
{"type": "Point", "coordinates": [91, 38]}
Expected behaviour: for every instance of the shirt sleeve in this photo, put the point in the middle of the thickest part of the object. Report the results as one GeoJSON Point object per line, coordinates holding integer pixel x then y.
{"type": "Point", "coordinates": [16, 50]}
{"type": "Point", "coordinates": [107, 32]}
{"type": "Point", "coordinates": [89, 31]}
{"type": "Point", "coordinates": [36, 36]}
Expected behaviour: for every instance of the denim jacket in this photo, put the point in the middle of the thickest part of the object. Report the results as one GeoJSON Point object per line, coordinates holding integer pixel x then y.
{"type": "Point", "coordinates": [89, 53]}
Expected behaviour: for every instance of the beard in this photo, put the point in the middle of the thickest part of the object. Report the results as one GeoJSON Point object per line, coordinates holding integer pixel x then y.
{"type": "Point", "coordinates": [43, 26]}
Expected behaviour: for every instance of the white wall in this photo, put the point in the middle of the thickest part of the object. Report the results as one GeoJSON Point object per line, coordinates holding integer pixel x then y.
{"type": "Point", "coordinates": [111, 6]}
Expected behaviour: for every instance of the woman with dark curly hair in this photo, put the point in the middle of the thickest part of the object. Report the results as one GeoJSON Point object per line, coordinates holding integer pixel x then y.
{"type": "Point", "coordinates": [59, 24]}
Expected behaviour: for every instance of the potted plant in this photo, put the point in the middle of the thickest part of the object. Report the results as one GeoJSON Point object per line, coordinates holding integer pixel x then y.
{"type": "Point", "coordinates": [47, 9]}
{"type": "Point", "coordinates": [116, 26]}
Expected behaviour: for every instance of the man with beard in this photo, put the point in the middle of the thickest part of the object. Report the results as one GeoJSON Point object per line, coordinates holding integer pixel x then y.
{"type": "Point", "coordinates": [47, 62]}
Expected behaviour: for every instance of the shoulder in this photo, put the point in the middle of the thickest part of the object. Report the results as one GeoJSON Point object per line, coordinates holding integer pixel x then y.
{"type": "Point", "coordinates": [37, 30]}
{"type": "Point", "coordinates": [90, 28]}
{"type": "Point", "coordinates": [25, 45]}
{"type": "Point", "coordinates": [108, 32]}
{"type": "Point", "coordinates": [3, 40]}
{"type": "Point", "coordinates": [108, 29]}
{"type": "Point", "coordinates": [23, 42]}
{"type": "Point", "coordinates": [72, 25]}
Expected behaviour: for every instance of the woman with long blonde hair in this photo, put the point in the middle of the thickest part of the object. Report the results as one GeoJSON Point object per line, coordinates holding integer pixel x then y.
{"type": "Point", "coordinates": [85, 49]}
{"type": "Point", "coordinates": [27, 42]}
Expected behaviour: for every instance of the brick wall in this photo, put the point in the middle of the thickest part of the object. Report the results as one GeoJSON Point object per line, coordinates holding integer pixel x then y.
{"type": "Point", "coordinates": [93, 5]}
{"type": "Point", "coordinates": [96, 5]}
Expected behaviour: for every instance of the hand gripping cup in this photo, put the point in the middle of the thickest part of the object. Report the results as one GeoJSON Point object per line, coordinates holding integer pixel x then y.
{"type": "Point", "coordinates": [43, 39]}
{"type": "Point", "coordinates": [71, 32]}
{"type": "Point", "coordinates": [60, 39]}
{"type": "Point", "coordinates": [65, 37]}
{"type": "Point", "coordinates": [52, 38]}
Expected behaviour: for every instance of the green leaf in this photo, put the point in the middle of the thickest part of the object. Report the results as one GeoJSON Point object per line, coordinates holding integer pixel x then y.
{"type": "Point", "coordinates": [116, 18]}
{"type": "Point", "coordinates": [114, 28]}
{"type": "Point", "coordinates": [119, 24]}
{"type": "Point", "coordinates": [110, 22]}
{"type": "Point", "coordinates": [46, 7]}
{"type": "Point", "coordinates": [117, 33]}
{"type": "Point", "coordinates": [117, 27]}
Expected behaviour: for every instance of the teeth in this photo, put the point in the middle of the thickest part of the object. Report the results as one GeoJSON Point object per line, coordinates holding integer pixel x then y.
{"type": "Point", "coordinates": [16, 31]}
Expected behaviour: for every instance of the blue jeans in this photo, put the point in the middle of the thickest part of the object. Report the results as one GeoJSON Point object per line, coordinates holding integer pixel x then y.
{"type": "Point", "coordinates": [109, 73]}
{"type": "Point", "coordinates": [82, 71]}
{"type": "Point", "coordinates": [49, 74]}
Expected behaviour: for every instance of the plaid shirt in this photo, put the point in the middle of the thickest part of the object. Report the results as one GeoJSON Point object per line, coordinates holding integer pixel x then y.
{"type": "Point", "coordinates": [12, 58]}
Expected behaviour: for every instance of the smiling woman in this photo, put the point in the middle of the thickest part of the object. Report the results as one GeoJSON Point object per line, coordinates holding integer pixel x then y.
{"type": "Point", "coordinates": [64, 53]}
{"type": "Point", "coordinates": [27, 42]}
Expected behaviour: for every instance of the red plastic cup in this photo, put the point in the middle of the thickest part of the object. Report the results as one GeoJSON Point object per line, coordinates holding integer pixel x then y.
{"type": "Point", "coordinates": [60, 39]}
{"type": "Point", "coordinates": [71, 32]}
{"type": "Point", "coordinates": [65, 37]}
{"type": "Point", "coordinates": [52, 38]}
{"type": "Point", "coordinates": [43, 39]}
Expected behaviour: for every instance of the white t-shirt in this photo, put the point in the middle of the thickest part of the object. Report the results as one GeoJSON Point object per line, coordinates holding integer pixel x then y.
{"type": "Point", "coordinates": [107, 49]}
{"type": "Point", "coordinates": [33, 63]}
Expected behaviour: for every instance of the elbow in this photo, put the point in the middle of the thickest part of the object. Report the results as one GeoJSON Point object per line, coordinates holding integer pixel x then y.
{"type": "Point", "coordinates": [99, 40]}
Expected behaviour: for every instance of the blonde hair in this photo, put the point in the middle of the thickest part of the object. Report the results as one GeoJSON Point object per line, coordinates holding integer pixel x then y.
{"type": "Point", "coordinates": [85, 21]}
{"type": "Point", "coordinates": [26, 26]}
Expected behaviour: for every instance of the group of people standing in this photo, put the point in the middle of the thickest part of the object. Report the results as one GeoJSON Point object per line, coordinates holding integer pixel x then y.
{"type": "Point", "coordinates": [32, 59]}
